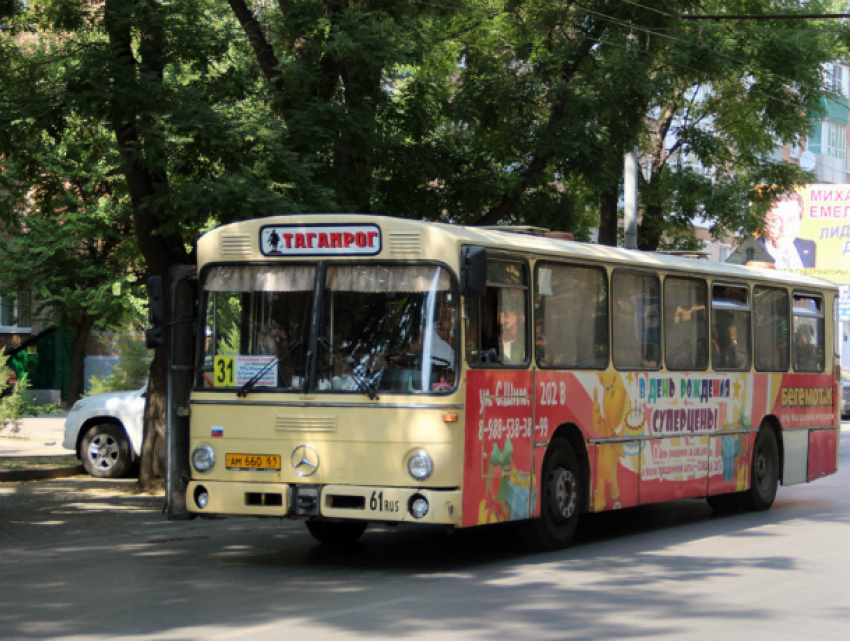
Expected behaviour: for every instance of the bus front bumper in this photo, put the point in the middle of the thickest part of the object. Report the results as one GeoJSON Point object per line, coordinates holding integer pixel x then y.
{"type": "Point", "coordinates": [386, 504]}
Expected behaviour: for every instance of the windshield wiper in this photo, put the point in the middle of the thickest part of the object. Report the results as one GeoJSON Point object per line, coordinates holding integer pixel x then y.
{"type": "Point", "coordinates": [242, 392]}
{"type": "Point", "coordinates": [364, 385]}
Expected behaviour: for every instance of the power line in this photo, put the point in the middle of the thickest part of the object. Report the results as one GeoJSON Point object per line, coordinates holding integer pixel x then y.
{"type": "Point", "coordinates": [763, 16]}
{"type": "Point", "coordinates": [630, 25]}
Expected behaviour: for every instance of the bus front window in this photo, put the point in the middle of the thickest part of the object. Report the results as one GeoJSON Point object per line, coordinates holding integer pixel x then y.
{"type": "Point", "coordinates": [393, 327]}
{"type": "Point", "coordinates": [257, 326]}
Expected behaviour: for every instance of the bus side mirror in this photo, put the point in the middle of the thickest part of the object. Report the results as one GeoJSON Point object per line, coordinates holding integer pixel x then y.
{"type": "Point", "coordinates": [154, 335]}
{"type": "Point", "coordinates": [473, 276]}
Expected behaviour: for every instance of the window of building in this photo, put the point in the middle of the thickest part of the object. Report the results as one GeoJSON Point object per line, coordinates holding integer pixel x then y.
{"type": "Point", "coordinates": [636, 310]}
{"type": "Point", "coordinates": [770, 313]}
{"type": "Point", "coordinates": [16, 312]}
{"type": "Point", "coordinates": [730, 328]}
{"type": "Point", "coordinates": [794, 150]}
{"type": "Point", "coordinates": [808, 333]}
{"type": "Point", "coordinates": [836, 78]}
{"type": "Point", "coordinates": [685, 324]}
{"type": "Point", "coordinates": [836, 140]}
{"type": "Point", "coordinates": [571, 316]}
{"type": "Point", "coordinates": [496, 329]}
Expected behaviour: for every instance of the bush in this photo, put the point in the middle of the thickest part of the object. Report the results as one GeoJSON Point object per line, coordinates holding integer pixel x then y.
{"type": "Point", "coordinates": [129, 373]}
{"type": "Point", "coordinates": [12, 404]}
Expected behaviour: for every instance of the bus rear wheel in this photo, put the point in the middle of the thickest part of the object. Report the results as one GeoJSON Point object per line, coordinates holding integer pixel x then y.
{"type": "Point", "coordinates": [764, 473]}
{"type": "Point", "coordinates": [561, 502]}
{"type": "Point", "coordinates": [337, 533]}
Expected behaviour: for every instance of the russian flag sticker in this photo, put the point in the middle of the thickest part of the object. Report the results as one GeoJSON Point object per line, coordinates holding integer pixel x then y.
{"type": "Point", "coordinates": [217, 432]}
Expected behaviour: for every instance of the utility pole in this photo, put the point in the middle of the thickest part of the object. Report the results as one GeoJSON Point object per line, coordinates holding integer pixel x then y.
{"type": "Point", "coordinates": [630, 198]}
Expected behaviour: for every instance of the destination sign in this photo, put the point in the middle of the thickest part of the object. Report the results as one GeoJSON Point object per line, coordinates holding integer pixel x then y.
{"type": "Point", "coordinates": [320, 240]}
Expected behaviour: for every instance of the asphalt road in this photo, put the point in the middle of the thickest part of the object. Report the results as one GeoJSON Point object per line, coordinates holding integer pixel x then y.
{"type": "Point", "coordinates": [86, 559]}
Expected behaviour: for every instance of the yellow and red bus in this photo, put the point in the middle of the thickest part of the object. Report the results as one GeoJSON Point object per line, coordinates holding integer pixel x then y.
{"type": "Point", "coordinates": [350, 369]}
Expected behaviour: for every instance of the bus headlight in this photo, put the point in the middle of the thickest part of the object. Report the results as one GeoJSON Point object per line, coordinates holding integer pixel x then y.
{"type": "Point", "coordinates": [203, 458]}
{"type": "Point", "coordinates": [420, 465]}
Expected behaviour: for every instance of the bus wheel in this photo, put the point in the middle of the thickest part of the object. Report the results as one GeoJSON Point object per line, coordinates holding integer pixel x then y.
{"type": "Point", "coordinates": [561, 501]}
{"type": "Point", "coordinates": [336, 532]}
{"type": "Point", "coordinates": [764, 473]}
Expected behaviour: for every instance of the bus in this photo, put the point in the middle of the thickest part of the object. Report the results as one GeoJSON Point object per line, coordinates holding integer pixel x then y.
{"type": "Point", "coordinates": [348, 369]}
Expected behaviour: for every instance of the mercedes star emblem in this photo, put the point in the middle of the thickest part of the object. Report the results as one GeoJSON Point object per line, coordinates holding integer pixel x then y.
{"type": "Point", "coordinates": [305, 460]}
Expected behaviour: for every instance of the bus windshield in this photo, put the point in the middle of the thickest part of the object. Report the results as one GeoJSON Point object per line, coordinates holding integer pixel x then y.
{"type": "Point", "coordinates": [382, 328]}
{"type": "Point", "coordinates": [254, 317]}
{"type": "Point", "coordinates": [392, 326]}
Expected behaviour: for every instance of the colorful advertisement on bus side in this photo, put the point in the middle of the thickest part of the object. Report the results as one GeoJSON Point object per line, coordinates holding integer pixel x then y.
{"type": "Point", "coordinates": [650, 436]}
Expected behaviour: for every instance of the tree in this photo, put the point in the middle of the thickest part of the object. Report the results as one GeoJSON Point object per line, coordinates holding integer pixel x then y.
{"type": "Point", "coordinates": [724, 95]}
{"type": "Point", "coordinates": [191, 146]}
{"type": "Point", "coordinates": [468, 111]}
{"type": "Point", "coordinates": [69, 244]}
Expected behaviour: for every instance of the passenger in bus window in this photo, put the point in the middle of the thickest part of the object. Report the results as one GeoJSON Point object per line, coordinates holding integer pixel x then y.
{"type": "Point", "coordinates": [806, 350]}
{"type": "Point", "coordinates": [723, 348]}
{"type": "Point", "coordinates": [441, 349]}
{"type": "Point", "coordinates": [271, 340]}
{"type": "Point", "coordinates": [489, 347]}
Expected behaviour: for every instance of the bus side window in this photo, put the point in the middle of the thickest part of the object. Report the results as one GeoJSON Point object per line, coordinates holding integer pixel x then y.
{"type": "Point", "coordinates": [496, 326]}
{"type": "Point", "coordinates": [809, 346]}
{"type": "Point", "coordinates": [730, 328]}
{"type": "Point", "coordinates": [567, 334]}
{"type": "Point", "coordinates": [636, 307]}
{"type": "Point", "coordinates": [771, 335]}
{"type": "Point", "coordinates": [685, 324]}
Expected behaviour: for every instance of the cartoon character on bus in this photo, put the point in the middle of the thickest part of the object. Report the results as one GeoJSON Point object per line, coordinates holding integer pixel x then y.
{"type": "Point", "coordinates": [615, 403]}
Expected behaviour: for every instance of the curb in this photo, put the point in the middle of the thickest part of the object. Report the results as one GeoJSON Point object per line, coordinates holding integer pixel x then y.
{"type": "Point", "coordinates": [39, 475]}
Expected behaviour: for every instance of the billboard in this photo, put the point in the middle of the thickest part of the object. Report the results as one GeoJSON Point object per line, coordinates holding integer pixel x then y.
{"type": "Point", "coordinates": [808, 231]}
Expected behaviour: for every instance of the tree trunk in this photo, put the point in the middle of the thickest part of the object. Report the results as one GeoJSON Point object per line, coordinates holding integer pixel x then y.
{"type": "Point", "coordinates": [608, 217]}
{"type": "Point", "coordinates": [148, 185]}
{"type": "Point", "coordinates": [651, 228]}
{"type": "Point", "coordinates": [78, 360]}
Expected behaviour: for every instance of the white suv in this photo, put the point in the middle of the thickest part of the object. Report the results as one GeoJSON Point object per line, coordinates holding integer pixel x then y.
{"type": "Point", "coordinates": [105, 430]}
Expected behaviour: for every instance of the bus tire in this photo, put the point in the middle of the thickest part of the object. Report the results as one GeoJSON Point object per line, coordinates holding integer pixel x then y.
{"type": "Point", "coordinates": [561, 501]}
{"type": "Point", "coordinates": [764, 473]}
{"type": "Point", "coordinates": [336, 533]}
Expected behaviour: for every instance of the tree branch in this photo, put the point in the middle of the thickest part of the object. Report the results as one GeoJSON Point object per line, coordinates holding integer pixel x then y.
{"type": "Point", "coordinates": [263, 51]}
{"type": "Point", "coordinates": [541, 157]}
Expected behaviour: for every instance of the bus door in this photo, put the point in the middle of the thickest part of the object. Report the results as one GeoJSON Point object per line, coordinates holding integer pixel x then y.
{"type": "Point", "coordinates": [498, 484]}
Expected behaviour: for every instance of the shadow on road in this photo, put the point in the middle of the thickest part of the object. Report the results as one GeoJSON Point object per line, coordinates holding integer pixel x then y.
{"type": "Point", "coordinates": [73, 549]}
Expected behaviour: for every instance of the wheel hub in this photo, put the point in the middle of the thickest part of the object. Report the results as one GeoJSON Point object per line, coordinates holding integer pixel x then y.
{"type": "Point", "coordinates": [103, 452]}
{"type": "Point", "coordinates": [564, 494]}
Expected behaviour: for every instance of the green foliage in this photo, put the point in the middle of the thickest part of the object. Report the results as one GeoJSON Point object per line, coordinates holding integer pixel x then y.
{"type": "Point", "coordinates": [32, 408]}
{"type": "Point", "coordinates": [722, 99]}
{"type": "Point", "coordinates": [131, 370]}
{"type": "Point", "coordinates": [12, 404]}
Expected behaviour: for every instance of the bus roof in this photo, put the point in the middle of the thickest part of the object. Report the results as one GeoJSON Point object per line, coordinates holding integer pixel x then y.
{"type": "Point", "coordinates": [240, 241]}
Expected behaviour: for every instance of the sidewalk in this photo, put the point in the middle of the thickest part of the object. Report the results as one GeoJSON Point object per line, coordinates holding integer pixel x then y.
{"type": "Point", "coordinates": [34, 451]}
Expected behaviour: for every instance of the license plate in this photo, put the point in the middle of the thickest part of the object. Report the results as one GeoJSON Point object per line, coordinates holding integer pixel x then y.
{"type": "Point", "coordinates": [259, 462]}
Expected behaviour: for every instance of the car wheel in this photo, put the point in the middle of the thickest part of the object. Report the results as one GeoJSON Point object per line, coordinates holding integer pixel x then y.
{"type": "Point", "coordinates": [105, 451]}
{"type": "Point", "coordinates": [338, 533]}
{"type": "Point", "coordinates": [561, 502]}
